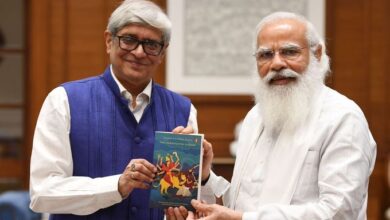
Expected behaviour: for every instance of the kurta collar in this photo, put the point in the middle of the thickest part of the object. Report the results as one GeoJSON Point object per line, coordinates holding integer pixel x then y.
{"type": "Point", "coordinates": [122, 90]}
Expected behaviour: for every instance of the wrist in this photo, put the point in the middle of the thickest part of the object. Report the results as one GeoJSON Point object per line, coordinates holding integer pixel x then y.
{"type": "Point", "coordinates": [204, 181]}
{"type": "Point", "coordinates": [123, 189]}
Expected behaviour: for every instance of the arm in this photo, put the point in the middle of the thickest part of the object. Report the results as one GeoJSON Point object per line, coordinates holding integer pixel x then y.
{"type": "Point", "coordinates": [53, 189]}
{"type": "Point", "coordinates": [177, 162]}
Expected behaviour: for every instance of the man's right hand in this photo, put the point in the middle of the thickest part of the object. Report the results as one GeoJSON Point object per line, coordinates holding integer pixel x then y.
{"type": "Point", "coordinates": [138, 173]}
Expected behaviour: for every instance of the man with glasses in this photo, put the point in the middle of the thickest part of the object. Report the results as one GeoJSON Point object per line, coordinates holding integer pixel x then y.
{"type": "Point", "coordinates": [304, 151]}
{"type": "Point", "coordinates": [93, 143]}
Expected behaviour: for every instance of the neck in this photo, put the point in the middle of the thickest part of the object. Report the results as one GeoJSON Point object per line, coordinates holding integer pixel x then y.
{"type": "Point", "coordinates": [134, 88]}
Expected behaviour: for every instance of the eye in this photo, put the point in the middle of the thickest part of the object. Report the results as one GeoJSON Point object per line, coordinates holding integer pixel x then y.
{"type": "Point", "coordinates": [265, 55]}
{"type": "Point", "coordinates": [129, 40]}
{"type": "Point", "coordinates": [152, 45]}
{"type": "Point", "coordinates": [290, 52]}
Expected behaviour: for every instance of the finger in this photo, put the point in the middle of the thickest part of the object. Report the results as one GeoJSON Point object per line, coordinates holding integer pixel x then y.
{"type": "Point", "coordinates": [140, 177]}
{"type": "Point", "coordinates": [167, 216]}
{"type": "Point", "coordinates": [142, 166]}
{"type": "Point", "coordinates": [190, 216]}
{"type": "Point", "coordinates": [170, 213]}
{"type": "Point", "coordinates": [135, 181]}
{"type": "Point", "coordinates": [207, 159]}
{"type": "Point", "coordinates": [207, 147]}
{"type": "Point", "coordinates": [187, 130]}
{"type": "Point", "coordinates": [199, 206]}
{"type": "Point", "coordinates": [183, 211]}
{"type": "Point", "coordinates": [149, 166]}
{"type": "Point", "coordinates": [178, 129]}
{"type": "Point", "coordinates": [178, 214]}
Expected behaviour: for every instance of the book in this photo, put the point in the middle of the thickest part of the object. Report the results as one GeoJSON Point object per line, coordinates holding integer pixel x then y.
{"type": "Point", "coordinates": [178, 158]}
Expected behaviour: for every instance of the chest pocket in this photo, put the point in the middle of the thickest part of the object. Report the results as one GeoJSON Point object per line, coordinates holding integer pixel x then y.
{"type": "Point", "coordinates": [307, 187]}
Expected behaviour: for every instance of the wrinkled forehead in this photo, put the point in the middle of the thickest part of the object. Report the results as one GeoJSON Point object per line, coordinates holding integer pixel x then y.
{"type": "Point", "coordinates": [141, 31]}
{"type": "Point", "coordinates": [282, 32]}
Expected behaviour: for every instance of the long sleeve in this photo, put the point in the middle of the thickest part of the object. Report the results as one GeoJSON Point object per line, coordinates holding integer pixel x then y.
{"type": "Point", "coordinates": [216, 186]}
{"type": "Point", "coordinates": [192, 121]}
{"type": "Point", "coordinates": [53, 189]}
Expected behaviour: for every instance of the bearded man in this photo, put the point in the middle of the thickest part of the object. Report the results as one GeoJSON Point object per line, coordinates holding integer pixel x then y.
{"type": "Point", "coordinates": [305, 151]}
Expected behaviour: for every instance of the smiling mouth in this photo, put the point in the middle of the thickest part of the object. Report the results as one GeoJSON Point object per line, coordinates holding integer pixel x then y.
{"type": "Point", "coordinates": [136, 64]}
{"type": "Point", "coordinates": [281, 80]}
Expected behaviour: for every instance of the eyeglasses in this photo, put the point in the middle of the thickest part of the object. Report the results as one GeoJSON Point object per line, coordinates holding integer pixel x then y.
{"type": "Point", "coordinates": [150, 47]}
{"type": "Point", "coordinates": [264, 56]}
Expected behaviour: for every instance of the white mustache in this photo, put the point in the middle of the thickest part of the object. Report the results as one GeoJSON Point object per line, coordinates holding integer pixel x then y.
{"type": "Point", "coordinates": [282, 73]}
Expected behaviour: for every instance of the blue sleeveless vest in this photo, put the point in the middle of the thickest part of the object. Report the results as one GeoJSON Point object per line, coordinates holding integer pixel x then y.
{"type": "Point", "coordinates": [105, 136]}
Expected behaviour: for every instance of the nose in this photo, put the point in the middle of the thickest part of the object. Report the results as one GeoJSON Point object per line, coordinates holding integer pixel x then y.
{"type": "Point", "coordinates": [278, 63]}
{"type": "Point", "coordinates": [139, 51]}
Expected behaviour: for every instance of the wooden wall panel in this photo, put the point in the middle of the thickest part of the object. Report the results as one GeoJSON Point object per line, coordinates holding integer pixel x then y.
{"type": "Point", "coordinates": [57, 46]}
{"type": "Point", "coordinates": [37, 69]}
{"type": "Point", "coordinates": [86, 53]}
{"type": "Point", "coordinates": [358, 41]}
{"type": "Point", "coordinates": [159, 76]}
{"type": "Point", "coordinates": [218, 116]}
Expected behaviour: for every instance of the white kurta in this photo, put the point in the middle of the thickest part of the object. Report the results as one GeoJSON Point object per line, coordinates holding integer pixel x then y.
{"type": "Point", "coordinates": [319, 172]}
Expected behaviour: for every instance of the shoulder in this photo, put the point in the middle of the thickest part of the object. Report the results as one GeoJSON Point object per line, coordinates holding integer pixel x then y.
{"type": "Point", "coordinates": [57, 98]}
{"type": "Point", "coordinates": [164, 91]}
{"type": "Point", "coordinates": [344, 118]}
{"type": "Point", "coordinates": [252, 120]}
{"type": "Point", "coordinates": [345, 125]}
{"type": "Point", "coordinates": [253, 115]}
{"type": "Point", "coordinates": [80, 82]}
{"type": "Point", "coordinates": [337, 106]}
{"type": "Point", "coordinates": [80, 89]}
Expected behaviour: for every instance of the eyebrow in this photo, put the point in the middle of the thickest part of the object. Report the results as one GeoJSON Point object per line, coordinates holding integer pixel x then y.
{"type": "Point", "coordinates": [284, 46]}
{"type": "Point", "coordinates": [263, 49]}
{"type": "Point", "coordinates": [290, 45]}
{"type": "Point", "coordinates": [136, 37]}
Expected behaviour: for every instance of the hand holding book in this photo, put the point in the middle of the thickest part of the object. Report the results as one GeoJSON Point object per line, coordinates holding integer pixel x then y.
{"type": "Point", "coordinates": [178, 158]}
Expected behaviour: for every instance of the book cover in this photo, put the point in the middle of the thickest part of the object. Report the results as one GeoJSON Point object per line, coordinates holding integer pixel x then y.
{"type": "Point", "coordinates": [178, 158]}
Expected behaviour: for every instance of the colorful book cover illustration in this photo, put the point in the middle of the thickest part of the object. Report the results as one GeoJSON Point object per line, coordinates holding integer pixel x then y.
{"type": "Point", "coordinates": [178, 158]}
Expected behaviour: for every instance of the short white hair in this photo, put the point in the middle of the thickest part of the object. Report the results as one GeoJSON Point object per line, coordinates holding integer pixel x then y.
{"type": "Point", "coordinates": [312, 36]}
{"type": "Point", "coordinates": [140, 12]}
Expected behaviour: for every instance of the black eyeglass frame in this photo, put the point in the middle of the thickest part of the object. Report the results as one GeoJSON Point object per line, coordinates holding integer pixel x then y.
{"type": "Point", "coordinates": [142, 42]}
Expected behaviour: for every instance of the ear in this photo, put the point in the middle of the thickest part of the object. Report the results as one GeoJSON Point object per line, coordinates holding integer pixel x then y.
{"type": "Point", "coordinates": [108, 41]}
{"type": "Point", "coordinates": [164, 50]}
{"type": "Point", "coordinates": [318, 52]}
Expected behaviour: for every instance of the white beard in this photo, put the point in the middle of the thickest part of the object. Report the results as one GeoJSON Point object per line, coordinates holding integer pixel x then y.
{"type": "Point", "coordinates": [287, 106]}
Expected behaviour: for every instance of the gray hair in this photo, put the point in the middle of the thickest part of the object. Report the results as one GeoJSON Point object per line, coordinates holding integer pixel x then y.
{"type": "Point", "coordinates": [312, 36]}
{"type": "Point", "coordinates": [140, 12]}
